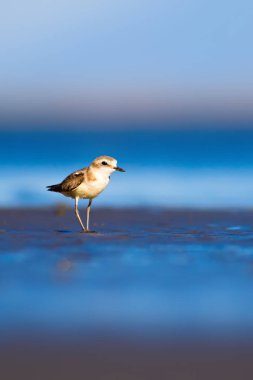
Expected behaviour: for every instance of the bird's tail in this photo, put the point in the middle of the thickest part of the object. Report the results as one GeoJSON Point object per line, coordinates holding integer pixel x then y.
{"type": "Point", "coordinates": [56, 188]}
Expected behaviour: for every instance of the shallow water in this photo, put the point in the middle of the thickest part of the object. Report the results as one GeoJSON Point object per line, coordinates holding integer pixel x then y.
{"type": "Point", "coordinates": [145, 273]}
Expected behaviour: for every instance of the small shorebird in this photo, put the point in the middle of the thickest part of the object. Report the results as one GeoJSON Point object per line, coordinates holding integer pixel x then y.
{"type": "Point", "coordinates": [87, 183]}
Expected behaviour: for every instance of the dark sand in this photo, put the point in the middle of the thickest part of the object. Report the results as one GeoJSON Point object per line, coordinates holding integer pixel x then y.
{"type": "Point", "coordinates": [151, 295]}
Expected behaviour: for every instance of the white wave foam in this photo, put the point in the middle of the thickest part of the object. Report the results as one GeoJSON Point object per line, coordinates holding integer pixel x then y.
{"type": "Point", "coordinates": [137, 187]}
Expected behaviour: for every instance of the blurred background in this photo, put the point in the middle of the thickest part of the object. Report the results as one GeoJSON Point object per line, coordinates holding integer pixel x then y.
{"type": "Point", "coordinates": [166, 87]}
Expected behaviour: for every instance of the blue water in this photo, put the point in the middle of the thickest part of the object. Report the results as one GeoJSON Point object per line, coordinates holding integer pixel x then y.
{"type": "Point", "coordinates": [181, 168]}
{"type": "Point", "coordinates": [144, 274]}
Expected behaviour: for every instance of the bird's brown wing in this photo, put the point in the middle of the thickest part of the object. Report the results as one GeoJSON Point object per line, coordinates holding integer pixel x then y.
{"type": "Point", "coordinates": [72, 181]}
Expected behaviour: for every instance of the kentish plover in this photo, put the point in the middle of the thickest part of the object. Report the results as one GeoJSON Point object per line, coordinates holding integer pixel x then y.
{"type": "Point", "coordinates": [87, 183]}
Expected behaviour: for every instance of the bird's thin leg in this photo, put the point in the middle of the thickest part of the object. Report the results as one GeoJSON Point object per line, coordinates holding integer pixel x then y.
{"type": "Point", "coordinates": [88, 215]}
{"type": "Point", "coordinates": [77, 213]}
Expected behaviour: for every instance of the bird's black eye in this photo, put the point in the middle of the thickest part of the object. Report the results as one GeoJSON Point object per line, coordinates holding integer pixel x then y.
{"type": "Point", "coordinates": [104, 163]}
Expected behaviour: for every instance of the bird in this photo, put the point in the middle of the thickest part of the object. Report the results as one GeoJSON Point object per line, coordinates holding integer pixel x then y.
{"type": "Point", "coordinates": [87, 183]}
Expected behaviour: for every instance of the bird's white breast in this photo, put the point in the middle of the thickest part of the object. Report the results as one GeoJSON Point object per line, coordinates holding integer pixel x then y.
{"type": "Point", "coordinates": [91, 189]}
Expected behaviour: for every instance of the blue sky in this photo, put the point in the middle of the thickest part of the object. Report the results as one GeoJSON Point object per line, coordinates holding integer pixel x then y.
{"type": "Point", "coordinates": [51, 48]}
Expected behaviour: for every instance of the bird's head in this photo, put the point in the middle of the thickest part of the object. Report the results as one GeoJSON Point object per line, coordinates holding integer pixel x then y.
{"type": "Point", "coordinates": [106, 164]}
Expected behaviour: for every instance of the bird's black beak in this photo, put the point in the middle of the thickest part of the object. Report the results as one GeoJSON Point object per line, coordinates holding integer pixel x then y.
{"type": "Point", "coordinates": [119, 169]}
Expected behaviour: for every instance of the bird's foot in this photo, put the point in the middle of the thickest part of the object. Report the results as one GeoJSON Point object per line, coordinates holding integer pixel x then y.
{"type": "Point", "coordinates": [86, 231]}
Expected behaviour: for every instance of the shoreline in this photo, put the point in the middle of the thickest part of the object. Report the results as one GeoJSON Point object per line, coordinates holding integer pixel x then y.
{"type": "Point", "coordinates": [153, 293]}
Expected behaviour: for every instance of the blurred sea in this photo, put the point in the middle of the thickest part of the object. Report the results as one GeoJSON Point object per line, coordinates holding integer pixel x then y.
{"type": "Point", "coordinates": [180, 168]}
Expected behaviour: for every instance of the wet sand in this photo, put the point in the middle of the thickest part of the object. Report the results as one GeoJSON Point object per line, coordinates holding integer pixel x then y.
{"type": "Point", "coordinates": [153, 294]}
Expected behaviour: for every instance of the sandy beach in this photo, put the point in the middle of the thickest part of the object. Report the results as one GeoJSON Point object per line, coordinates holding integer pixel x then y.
{"type": "Point", "coordinates": [153, 294]}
